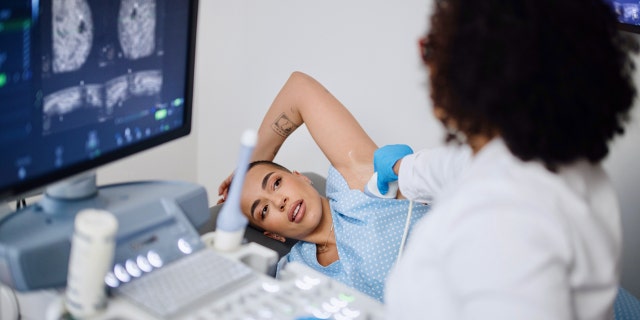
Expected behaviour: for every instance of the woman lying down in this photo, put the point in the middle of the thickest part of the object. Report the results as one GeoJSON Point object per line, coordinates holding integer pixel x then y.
{"type": "Point", "coordinates": [347, 235]}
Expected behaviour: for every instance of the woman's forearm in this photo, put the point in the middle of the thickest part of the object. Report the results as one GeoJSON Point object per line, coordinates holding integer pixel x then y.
{"type": "Point", "coordinates": [282, 119]}
{"type": "Point", "coordinates": [303, 100]}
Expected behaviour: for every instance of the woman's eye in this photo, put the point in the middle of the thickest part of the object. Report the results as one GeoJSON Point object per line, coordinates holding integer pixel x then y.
{"type": "Point", "coordinates": [276, 184]}
{"type": "Point", "coordinates": [264, 212]}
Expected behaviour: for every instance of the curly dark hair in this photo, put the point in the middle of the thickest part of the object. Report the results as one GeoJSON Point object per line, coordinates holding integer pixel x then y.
{"type": "Point", "coordinates": [551, 77]}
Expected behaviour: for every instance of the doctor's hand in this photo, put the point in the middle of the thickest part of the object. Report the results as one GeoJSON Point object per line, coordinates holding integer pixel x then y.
{"type": "Point", "coordinates": [383, 161]}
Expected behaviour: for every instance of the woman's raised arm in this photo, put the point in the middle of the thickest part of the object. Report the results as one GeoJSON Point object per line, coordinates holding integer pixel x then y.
{"type": "Point", "coordinates": [303, 100]}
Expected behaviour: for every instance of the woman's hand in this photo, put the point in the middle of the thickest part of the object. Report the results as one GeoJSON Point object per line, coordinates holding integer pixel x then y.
{"type": "Point", "coordinates": [223, 189]}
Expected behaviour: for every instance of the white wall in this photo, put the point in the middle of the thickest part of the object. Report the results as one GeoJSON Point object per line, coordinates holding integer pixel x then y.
{"type": "Point", "coordinates": [172, 161]}
{"type": "Point", "coordinates": [365, 52]}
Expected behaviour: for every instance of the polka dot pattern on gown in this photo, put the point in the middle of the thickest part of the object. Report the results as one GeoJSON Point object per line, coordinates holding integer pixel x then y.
{"type": "Point", "coordinates": [368, 233]}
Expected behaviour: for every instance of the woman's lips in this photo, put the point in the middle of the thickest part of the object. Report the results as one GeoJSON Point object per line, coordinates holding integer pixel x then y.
{"type": "Point", "coordinates": [296, 213]}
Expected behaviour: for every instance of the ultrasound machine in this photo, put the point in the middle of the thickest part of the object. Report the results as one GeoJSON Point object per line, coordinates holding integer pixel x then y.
{"type": "Point", "coordinates": [84, 83]}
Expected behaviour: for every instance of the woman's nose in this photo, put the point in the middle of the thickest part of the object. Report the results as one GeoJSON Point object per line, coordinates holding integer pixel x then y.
{"type": "Point", "coordinates": [283, 203]}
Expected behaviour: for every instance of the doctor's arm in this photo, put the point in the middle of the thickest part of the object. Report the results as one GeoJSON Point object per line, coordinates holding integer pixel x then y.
{"type": "Point", "coordinates": [422, 175]}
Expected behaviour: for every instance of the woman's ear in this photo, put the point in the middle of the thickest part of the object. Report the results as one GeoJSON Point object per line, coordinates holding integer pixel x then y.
{"type": "Point", "coordinates": [275, 236]}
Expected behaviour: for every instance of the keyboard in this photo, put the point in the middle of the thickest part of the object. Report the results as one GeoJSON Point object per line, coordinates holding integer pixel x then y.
{"type": "Point", "coordinates": [206, 285]}
{"type": "Point", "coordinates": [177, 286]}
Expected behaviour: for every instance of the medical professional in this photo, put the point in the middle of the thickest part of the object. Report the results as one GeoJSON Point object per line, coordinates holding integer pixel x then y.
{"type": "Point", "coordinates": [529, 227]}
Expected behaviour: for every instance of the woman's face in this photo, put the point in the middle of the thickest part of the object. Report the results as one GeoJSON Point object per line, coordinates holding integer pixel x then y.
{"type": "Point", "coordinates": [281, 202]}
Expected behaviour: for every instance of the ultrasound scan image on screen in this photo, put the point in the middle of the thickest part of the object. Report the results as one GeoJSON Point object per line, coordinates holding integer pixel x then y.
{"type": "Point", "coordinates": [84, 82]}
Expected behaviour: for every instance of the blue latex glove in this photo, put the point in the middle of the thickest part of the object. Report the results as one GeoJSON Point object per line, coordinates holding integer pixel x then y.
{"type": "Point", "coordinates": [383, 161]}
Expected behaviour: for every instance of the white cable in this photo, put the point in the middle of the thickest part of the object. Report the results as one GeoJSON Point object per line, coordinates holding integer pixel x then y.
{"type": "Point", "coordinates": [406, 230]}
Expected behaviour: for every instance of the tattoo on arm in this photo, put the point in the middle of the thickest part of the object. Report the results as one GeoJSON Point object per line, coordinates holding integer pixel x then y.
{"type": "Point", "coordinates": [283, 126]}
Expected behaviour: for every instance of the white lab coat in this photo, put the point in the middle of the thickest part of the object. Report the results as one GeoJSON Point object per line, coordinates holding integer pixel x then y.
{"type": "Point", "coordinates": [506, 240]}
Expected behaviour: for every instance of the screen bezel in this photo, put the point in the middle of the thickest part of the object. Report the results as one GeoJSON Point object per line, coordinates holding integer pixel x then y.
{"type": "Point", "coordinates": [629, 27]}
{"type": "Point", "coordinates": [35, 185]}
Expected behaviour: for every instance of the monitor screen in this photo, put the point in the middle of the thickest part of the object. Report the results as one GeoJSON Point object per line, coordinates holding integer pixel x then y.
{"type": "Point", "coordinates": [628, 13]}
{"type": "Point", "coordinates": [87, 82]}
{"type": "Point", "coordinates": [84, 83]}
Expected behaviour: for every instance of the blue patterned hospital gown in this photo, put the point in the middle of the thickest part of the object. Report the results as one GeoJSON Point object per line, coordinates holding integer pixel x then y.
{"type": "Point", "coordinates": [368, 233]}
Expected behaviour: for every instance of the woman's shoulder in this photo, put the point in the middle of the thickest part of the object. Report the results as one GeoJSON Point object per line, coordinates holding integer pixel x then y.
{"type": "Point", "coordinates": [335, 181]}
{"type": "Point", "coordinates": [355, 176]}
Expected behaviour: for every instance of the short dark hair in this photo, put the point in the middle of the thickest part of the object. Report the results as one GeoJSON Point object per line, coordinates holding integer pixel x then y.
{"type": "Point", "coordinates": [268, 163]}
{"type": "Point", "coordinates": [551, 77]}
